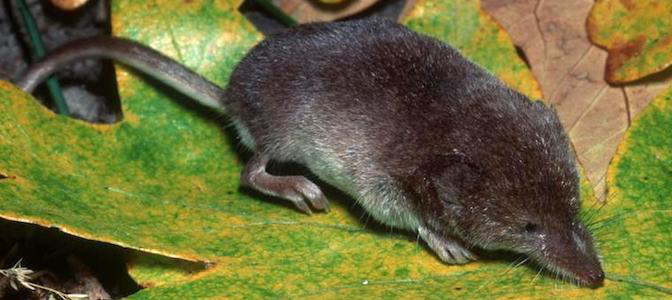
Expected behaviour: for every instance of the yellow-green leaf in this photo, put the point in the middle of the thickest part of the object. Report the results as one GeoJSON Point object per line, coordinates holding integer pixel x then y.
{"type": "Point", "coordinates": [165, 180]}
{"type": "Point", "coordinates": [637, 236]}
{"type": "Point", "coordinates": [637, 34]}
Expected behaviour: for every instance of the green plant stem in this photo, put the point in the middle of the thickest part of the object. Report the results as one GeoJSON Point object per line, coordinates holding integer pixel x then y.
{"type": "Point", "coordinates": [278, 13]}
{"type": "Point", "coordinates": [39, 52]}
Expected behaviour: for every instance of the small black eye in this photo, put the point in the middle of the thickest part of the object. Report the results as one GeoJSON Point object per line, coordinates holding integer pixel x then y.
{"type": "Point", "coordinates": [531, 227]}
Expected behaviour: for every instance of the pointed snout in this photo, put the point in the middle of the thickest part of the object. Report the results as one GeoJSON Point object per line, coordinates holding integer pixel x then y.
{"type": "Point", "coordinates": [575, 256]}
{"type": "Point", "coordinates": [592, 278]}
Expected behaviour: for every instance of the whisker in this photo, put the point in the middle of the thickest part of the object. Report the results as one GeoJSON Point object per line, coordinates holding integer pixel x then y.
{"type": "Point", "coordinates": [522, 262]}
{"type": "Point", "coordinates": [538, 273]}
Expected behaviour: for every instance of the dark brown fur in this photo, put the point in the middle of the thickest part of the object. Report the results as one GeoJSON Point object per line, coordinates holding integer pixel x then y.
{"type": "Point", "coordinates": [477, 160]}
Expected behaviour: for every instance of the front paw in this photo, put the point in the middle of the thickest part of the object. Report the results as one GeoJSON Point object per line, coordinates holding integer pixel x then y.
{"type": "Point", "coordinates": [449, 250]}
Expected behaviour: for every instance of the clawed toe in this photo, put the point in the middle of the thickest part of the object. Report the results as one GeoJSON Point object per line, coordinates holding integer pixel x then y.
{"type": "Point", "coordinates": [303, 206]}
{"type": "Point", "coordinates": [313, 194]}
{"type": "Point", "coordinates": [303, 192]}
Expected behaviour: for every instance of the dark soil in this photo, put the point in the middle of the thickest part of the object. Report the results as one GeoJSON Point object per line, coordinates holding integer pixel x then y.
{"type": "Point", "coordinates": [89, 86]}
{"type": "Point", "coordinates": [63, 262]}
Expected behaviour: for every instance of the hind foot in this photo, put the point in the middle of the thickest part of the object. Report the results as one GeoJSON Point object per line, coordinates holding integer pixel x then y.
{"type": "Point", "coordinates": [297, 189]}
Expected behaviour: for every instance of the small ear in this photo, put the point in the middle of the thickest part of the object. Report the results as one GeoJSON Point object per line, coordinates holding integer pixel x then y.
{"type": "Point", "coordinates": [457, 178]}
{"type": "Point", "coordinates": [447, 178]}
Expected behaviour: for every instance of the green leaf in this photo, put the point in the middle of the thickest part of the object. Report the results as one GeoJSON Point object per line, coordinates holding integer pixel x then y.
{"type": "Point", "coordinates": [165, 180]}
{"type": "Point", "coordinates": [637, 236]}
{"type": "Point", "coordinates": [637, 34]}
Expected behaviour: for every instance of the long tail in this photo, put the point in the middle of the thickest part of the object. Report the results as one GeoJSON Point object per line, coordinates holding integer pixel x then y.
{"type": "Point", "coordinates": [130, 53]}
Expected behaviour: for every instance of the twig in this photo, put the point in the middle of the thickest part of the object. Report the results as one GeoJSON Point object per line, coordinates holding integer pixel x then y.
{"type": "Point", "coordinates": [19, 277]}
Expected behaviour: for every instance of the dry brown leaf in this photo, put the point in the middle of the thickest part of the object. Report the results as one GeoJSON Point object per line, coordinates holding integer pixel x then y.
{"type": "Point", "coordinates": [304, 11]}
{"type": "Point", "coordinates": [570, 71]}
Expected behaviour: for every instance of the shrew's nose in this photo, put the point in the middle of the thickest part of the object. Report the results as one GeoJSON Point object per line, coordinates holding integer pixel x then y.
{"type": "Point", "coordinates": [595, 278]}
